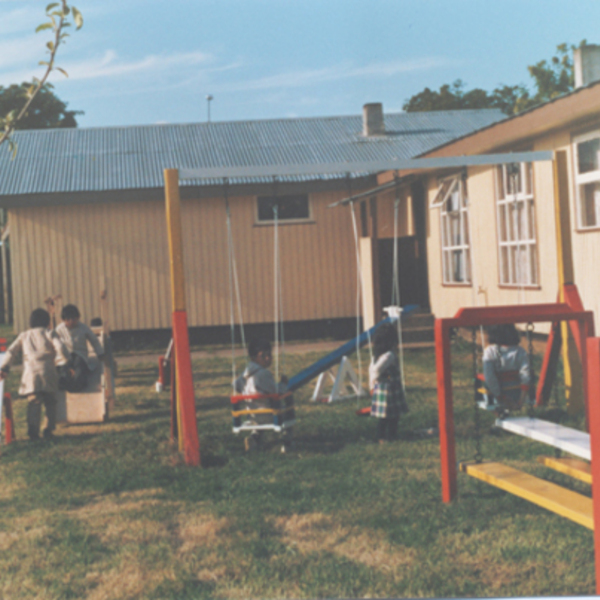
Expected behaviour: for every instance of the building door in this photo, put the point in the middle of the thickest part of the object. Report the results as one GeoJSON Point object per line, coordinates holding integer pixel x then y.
{"type": "Point", "coordinates": [410, 274]}
{"type": "Point", "coordinates": [412, 259]}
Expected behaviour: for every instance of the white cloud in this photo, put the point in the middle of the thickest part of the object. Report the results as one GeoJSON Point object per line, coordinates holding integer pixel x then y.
{"type": "Point", "coordinates": [110, 65]}
{"type": "Point", "coordinates": [296, 79]}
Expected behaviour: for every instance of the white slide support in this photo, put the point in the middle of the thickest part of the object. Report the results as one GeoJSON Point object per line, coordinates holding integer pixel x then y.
{"type": "Point", "coordinates": [345, 378]}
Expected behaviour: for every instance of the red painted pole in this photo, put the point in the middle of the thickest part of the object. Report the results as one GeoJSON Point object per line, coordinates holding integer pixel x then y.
{"type": "Point", "coordinates": [445, 411]}
{"type": "Point", "coordinates": [185, 389]}
{"type": "Point", "coordinates": [593, 389]}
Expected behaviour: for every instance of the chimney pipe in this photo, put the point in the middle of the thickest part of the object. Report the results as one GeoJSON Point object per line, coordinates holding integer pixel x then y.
{"type": "Point", "coordinates": [373, 119]}
{"type": "Point", "coordinates": [586, 64]}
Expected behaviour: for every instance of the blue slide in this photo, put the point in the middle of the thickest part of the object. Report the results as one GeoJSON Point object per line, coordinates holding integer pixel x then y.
{"type": "Point", "coordinates": [346, 349]}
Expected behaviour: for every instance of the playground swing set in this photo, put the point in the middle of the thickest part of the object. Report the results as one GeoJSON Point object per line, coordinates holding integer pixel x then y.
{"type": "Point", "coordinates": [567, 310]}
{"type": "Point", "coordinates": [183, 422]}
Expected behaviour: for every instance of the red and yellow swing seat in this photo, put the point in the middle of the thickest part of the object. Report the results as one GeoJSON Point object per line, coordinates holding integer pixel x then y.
{"type": "Point", "coordinates": [281, 408]}
{"type": "Point", "coordinates": [510, 383]}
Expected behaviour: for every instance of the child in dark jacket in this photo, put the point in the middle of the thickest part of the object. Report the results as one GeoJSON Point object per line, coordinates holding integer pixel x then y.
{"type": "Point", "coordinates": [388, 401]}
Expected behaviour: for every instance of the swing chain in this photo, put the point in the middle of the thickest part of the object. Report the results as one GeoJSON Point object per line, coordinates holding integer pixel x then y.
{"type": "Point", "coordinates": [476, 415]}
{"type": "Point", "coordinates": [530, 403]}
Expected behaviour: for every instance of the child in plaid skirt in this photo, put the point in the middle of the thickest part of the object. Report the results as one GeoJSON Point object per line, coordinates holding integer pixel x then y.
{"type": "Point", "coordinates": [387, 394]}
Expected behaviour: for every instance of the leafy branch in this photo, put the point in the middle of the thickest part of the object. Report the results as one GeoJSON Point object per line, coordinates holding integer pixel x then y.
{"type": "Point", "coordinates": [59, 16]}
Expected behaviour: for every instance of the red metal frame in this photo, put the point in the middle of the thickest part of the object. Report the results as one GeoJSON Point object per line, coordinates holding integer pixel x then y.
{"type": "Point", "coordinates": [582, 321]}
{"type": "Point", "coordinates": [593, 386]}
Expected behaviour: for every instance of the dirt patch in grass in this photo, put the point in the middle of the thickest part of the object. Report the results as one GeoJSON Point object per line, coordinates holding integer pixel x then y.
{"type": "Point", "coordinates": [21, 531]}
{"type": "Point", "coordinates": [317, 533]}
{"type": "Point", "coordinates": [199, 530]}
{"type": "Point", "coordinates": [126, 581]}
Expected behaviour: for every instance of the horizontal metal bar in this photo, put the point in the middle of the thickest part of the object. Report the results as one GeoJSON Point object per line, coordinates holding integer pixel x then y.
{"type": "Point", "coordinates": [400, 181]}
{"type": "Point", "coordinates": [365, 166]}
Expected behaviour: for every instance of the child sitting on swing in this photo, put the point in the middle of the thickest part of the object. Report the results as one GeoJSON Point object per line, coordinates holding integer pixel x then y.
{"type": "Point", "coordinates": [388, 401]}
{"type": "Point", "coordinates": [506, 368]}
{"type": "Point", "coordinates": [257, 379]}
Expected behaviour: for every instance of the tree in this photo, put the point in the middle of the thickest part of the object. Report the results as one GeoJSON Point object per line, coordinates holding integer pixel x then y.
{"type": "Point", "coordinates": [58, 14]}
{"type": "Point", "coordinates": [45, 111]}
{"type": "Point", "coordinates": [550, 79]}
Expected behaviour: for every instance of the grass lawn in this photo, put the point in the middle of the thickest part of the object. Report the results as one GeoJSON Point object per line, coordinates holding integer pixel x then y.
{"type": "Point", "coordinates": [110, 511]}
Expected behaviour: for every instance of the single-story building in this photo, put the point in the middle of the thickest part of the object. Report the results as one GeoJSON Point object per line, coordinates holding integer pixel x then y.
{"type": "Point", "coordinates": [492, 230]}
{"type": "Point", "coordinates": [85, 209]}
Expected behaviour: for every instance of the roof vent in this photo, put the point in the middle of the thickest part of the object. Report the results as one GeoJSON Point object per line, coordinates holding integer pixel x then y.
{"type": "Point", "coordinates": [586, 63]}
{"type": "Point", "coordinates": [373, 119]}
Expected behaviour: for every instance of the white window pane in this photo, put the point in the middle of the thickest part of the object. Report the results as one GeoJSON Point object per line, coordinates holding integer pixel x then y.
{"type": "Point", "coordinates": [533, 264]}
{"type": "Point", "coordinates": [590, 200]}
{"type": "Point", "coordinates": [587, 155]}
{"type": "Point", "coordinates": [500, 177]}
{"type": "Point", "coordinates": [529, 179]}
{"type": "Point", "coordinates": [504, 265]}
{"type": "Point", "coordinates": [466, 237]}
{"type": "Point", "coordinates": [457, 266]}
{"type": "Point", "coordinates": [531, 220]}
{"type": "Point", "coordinates": [503, 225]}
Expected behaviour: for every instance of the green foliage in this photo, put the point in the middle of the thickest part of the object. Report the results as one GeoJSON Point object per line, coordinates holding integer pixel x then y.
{"type": "Point", "coordinates": [57, 14]}
{"type": "Point", "coordinates": [550, 79]}
{"type": "Point", "coordinates": [45, 111]}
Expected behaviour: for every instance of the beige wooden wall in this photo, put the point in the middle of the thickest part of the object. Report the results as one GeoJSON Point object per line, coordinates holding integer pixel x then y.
{"type": "Point", "coordinates": [68, 249]}
{"type": "Point", "coordinates": [486, 291]}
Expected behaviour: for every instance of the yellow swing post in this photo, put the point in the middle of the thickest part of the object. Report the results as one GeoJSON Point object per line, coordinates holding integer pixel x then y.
{"type": "Point", "coordinates": [571, 361]}
{"type": "Point", "coordinates": [186, 404]}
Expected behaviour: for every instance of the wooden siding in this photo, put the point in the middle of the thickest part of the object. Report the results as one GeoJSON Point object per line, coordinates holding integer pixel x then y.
{"type": "Point", "coordinates": [68, 250]}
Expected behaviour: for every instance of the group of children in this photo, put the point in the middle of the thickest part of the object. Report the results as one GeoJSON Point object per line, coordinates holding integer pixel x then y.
{"type": "Point", "coordinates": [52, 359]}
{"type": "Point", "coordinates": [58, 359]}
{"type": "Point", "coordinates": [505, 368]}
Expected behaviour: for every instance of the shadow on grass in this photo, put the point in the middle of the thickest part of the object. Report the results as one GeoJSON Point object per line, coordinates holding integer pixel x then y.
{"type": "Point", "coordinates": [141, 417]}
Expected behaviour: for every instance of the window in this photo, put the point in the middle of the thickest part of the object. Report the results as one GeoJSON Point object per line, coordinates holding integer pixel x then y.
{"type": "Point", "coordinates": [587, 179]}
{"type": "Point", "coordinates": [293, 207]}
{"type": "Point", "coordinates": [454, 226]}
{"type": "Point", "coordinates": [516, 225]}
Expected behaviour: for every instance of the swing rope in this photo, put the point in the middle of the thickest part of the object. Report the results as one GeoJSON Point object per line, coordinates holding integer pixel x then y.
{"type": "Point", "coordinates": [396, 281]}
{"type": "Point", "coordinates": [477, 417]}
{"type": "Point", "coordinates": [234, 287]}
{"type": "Point", "coordinates": [359, 293]}
{"type": "Point", "coordinates": [277, 287]}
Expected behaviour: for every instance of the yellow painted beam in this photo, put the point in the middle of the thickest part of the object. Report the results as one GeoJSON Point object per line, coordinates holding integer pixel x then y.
{"type": "Point", "coordinates": [175, 238]}
{"type": "Point", "coordinates": [574, 467]}
{"type": "Point", "coordinates": [550, 496]}
{"type": "Point", "coordinates": [572, 364]}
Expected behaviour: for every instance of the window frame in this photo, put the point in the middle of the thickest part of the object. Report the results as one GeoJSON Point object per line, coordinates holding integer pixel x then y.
{"type": "Point", "coordinates": [509, 224]}
{"type": "Point", "coordinates": [447, 186]}
{"type": "Point", "coordinates": [580, 180]}
{"type": "Point", "coordinates": [283, 221]}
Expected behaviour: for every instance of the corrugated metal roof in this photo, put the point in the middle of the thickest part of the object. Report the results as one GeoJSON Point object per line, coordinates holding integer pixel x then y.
{"type": "Point", "coordinates": [126, 158]}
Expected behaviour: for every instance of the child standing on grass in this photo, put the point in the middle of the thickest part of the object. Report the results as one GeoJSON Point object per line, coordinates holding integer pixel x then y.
{"type": "Point", "coordinates": [506, 368]}
{"type": "Point", "coordinates": [75, 335]}
{"type": "Point", "coordinates": [257, 379]}
{"type": "Point", "coordinates": [37, 348]}
{"type": "Point", "coordinates": [387, 395]}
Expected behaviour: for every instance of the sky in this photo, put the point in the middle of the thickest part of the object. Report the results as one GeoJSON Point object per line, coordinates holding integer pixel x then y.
{"type": "Point", "coordinates": [155, 61]}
